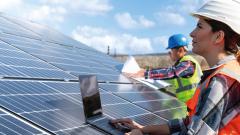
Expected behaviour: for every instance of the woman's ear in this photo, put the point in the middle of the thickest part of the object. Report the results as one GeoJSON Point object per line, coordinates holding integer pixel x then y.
{"type": "Point", "coordinates": [219, 37]}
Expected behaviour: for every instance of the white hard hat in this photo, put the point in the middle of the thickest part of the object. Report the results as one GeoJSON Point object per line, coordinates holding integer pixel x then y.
{"type": "Point", "coordinates": [226, 11]}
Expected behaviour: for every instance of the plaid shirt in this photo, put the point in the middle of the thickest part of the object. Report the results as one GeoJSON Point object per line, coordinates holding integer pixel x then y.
{"type": "Point", "coordinates": [180, 69]}
{"type": "Point", "coordinates": [221, 96]}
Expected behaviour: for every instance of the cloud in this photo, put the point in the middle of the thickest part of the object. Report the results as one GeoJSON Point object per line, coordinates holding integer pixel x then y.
{"type": "Point", "coordinates": [44, 14]}
{"type": "Point", "coordinates": [174, 14]}
{"type": "Point", "coordinates": [9, 4]}
{"type": "Point", "coordinates": [165, 17]}
{"type": "Point", "coordinates": [90, 7]}
{"type": "Point", "coordinates": [52, 14]}
{"type": "Point", "coordinates": [145, 22]}
{"type": "Point", "coordinates": [160, 41]}
{"type": "Point", "coordinates": [188, 6]}
{"type": "Point", "coordinates": [126, 21]}
{"type": "Point", "coordinates": [100, 39]}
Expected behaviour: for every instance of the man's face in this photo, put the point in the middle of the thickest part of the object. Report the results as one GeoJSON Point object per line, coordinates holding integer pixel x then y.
{"type": "Point", "coordinates": [173, 54]}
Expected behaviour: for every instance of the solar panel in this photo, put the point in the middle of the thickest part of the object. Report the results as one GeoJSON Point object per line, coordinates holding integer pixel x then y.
{"type": "Point", "coordinates": [144, 96]}
{"type": "Point", "coordinates": [161, 104]}
{"type": "Point", "coordinates": [83, 130]}
{"type": "Point", "coordinates": [9, 71]}
{"type": "Point", "coordinates": [20, 62]}
{"type": "Point", "coordinates": [10, 125]}
{"type": "Point", "coordinates": [52, 107]}
{"type": "Point", "coordinates": [123, 88]}
{"type": "Point", "coordinates": [173, 113]}
{"type": "Point", "coordinates": [6, 46]}
{"type": "Point", "coordinates": [47, 33]}
{"type": "Point", "coordinates": [85, 62]}
{"type": "Point", "coordinates": [41, 104]}
{"type": "Point", "coordinates": [11, 28]}
{"type": "Point", "coordinates": [39, 89]}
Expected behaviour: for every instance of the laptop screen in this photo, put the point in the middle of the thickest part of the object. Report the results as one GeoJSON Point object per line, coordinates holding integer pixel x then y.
{"type": "Point", "coordinates": [90, 95]}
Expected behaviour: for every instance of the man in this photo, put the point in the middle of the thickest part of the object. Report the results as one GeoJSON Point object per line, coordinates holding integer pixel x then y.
{"type": "Point", "coordinates": [184, 75]}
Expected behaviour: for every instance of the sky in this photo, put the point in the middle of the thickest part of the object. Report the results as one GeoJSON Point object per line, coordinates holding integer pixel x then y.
{"type": "Point", "coordinates": [126, 26]}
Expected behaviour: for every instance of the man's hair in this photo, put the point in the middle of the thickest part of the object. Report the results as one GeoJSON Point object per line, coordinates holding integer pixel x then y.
{"type": "Point", "coordinates": [184, 47]}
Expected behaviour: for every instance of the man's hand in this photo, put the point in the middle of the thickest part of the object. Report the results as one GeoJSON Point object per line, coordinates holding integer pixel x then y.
{"type": "Point", "coordinates": [140, 73]}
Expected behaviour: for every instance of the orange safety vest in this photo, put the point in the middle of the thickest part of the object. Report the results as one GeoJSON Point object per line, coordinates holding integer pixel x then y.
{"type": "Point", "coordinates": [232, 71]}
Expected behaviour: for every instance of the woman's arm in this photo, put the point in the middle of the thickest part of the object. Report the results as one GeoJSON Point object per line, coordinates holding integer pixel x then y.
{"type": "Point", "coordinates": [151, 129]}
{"type": "Point", "coordinates": [156, 129]}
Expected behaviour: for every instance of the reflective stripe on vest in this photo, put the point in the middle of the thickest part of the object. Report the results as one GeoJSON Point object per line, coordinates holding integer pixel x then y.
{"type": "Point", "coordinates": [232, 128]}
{"type": "Point", "coordinates": [231, 121]}
{"type": "Point", "coordinates": [195, 129]}
{"type": "Point", "coordinates": [185, 87]}
{"type": "Point", "coordinates": [231, 115]}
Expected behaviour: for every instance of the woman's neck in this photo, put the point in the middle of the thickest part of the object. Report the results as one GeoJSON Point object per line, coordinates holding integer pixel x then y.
{"type": "Point", "coordinates": [213, 58]}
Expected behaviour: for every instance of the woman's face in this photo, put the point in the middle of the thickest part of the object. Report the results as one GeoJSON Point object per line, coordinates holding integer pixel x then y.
{"type": "Point", "coordinates": [202, 38]}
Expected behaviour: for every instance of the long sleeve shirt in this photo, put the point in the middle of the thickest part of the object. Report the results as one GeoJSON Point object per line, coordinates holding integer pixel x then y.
{"type": "Point", "coordinates": [179, 69]}
{"type": "Point", "coordinates": [221, 96]}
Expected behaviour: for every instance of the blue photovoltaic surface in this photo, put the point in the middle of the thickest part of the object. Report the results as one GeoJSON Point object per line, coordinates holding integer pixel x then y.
{"type": "Point", "coordinates": [10, 125]}
{"type": "Point", "coordinates": [39, 71]}
{"type": "Point", "coordinates": [159, 103]}
{"type": "Point", "coordinates": [52, 107]}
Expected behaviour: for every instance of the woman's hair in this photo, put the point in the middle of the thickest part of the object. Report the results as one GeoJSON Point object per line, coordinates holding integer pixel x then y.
{"type": "Point", "coordinates": [232, 39]}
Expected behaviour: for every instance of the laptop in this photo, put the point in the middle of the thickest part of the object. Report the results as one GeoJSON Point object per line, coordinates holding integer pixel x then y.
{"type": "Point", "coordinates": [93, 109]}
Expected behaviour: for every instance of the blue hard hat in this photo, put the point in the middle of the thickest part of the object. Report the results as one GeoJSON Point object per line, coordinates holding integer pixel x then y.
{"type": "Point", "coordinates": [177, 40]}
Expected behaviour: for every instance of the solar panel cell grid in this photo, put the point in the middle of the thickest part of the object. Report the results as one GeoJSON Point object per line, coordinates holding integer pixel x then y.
{"type": "Point", "coordinates": [11, 39]}
{"type": "Point", "coordinates": [27, 99]}
{"type": "Point", "coordinates": [36, 66]}
{"type": "Point", "coordinates": [173, 113]}
{"type": "Point", "coordinates": [122, 88]}
{"type": "Point", "coordinates": [44, 73]}
{"type": "Point", "coordinates": [123, 110]}
{"type": "Point", "coordinates": [25, 63]}
{"type": "Point", "coordinates": [11, 126]}
{"type": "Point", "coordinates": [9, 71]}
{"type": "Point", "coordinates": [9, 27]}
{"type": "Point", "coordinates": [149, 119]}
{"type": "Point", "coordinates": [158, 105]}
{"type": "Point", "coordinates": [84, 130]}
{"type": "Point", "coordinates": [14, 54]}
{"type": "Point", "coordinates": [5, 46]}
{"type": "Point", "coordinates": [107, 98]}
{"type": "Point", "coordinates": [64, 87]}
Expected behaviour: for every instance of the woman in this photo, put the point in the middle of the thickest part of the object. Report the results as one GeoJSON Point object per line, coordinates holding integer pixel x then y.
{"type": "Point", "coordinates": [215, 106]}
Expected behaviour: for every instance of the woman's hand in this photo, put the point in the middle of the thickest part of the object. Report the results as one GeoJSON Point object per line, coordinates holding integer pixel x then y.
{"type": "Point", "coordinates": [140, 73]}
{"type": "Point", "coordinates": [127, 122]}
{"type": "Point", "coordinates": [138, 129]}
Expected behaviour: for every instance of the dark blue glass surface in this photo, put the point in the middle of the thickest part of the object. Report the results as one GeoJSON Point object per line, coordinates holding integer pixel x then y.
{"type": "Point", "coordinates": [10, 125]}
{"type": "Point", "coordinates": [39, 69]}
